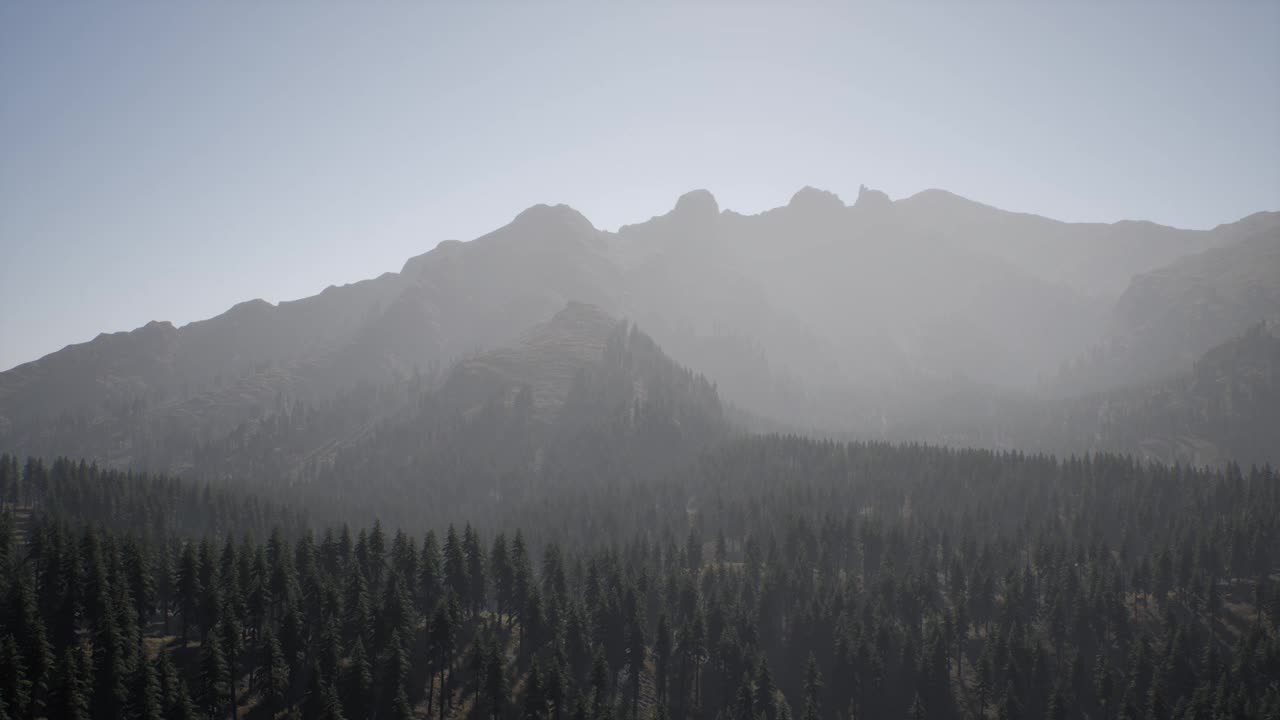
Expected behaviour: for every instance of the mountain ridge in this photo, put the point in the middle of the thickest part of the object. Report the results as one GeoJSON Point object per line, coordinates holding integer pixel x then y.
{"type": "Point", "coordinates": [821, 295]}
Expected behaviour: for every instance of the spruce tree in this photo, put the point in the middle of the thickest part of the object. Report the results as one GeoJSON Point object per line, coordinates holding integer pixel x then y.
{"type": "Point", "coordinates": [68, 698]}
{"type": "Point", "coordinates": [275, 673]}
{"type": "Point", "coordinates": [214, 674]}
{"type": "Point", "coordinates": [145, 702]}
{"type": "Point", "coordinates": [357, 683]}
{"type": "Point", "coordinates": [812, 690]}
{"type": "Point", "coordinates": [15, 686]}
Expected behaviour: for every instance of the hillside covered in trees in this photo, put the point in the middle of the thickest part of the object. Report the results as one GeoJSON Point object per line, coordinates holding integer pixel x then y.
{"type": "Point", "coordinates": [774, 577]}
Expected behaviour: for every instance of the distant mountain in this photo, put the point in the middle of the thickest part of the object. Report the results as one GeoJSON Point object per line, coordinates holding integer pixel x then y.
{"type": "Point", "coordinates": [1169, 317]}
{"type": "Point", "coordinates": [1096, 259]}
{"type": "Point", "coordinates": [1225, 407]}
{"type": "Point", "coordinates": [544, 363]}
{"type": "Point", "coordinates": [814, 314]}
{"type": "Point", "coordinates": [581, 399]}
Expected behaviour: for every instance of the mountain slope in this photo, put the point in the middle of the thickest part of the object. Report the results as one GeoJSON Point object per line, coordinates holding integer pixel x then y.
{"type": "Point", "coordinates": [582, 398]}
{"type": "Point", "coordinates": [1223, 408]}
{"type": "Point", "coordinates": [1169, 317]}
{"type": "Point", "coordinates": [545, 361]}
{"type": "Point", "coordinates": [1092, 258]}
{"type": "Point", "coordinates": [791, 311]}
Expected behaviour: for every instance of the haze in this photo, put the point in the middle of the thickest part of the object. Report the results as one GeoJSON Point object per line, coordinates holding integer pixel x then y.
{"type": "Point", "coordinates": [165, 162]}
{"type": "Point", "coordinates": [702, 361]}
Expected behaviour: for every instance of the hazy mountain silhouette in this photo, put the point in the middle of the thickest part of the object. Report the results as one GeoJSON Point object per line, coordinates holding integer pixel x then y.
{"type": "Point", "coordinates": [816, 314]}
{"type": "Point", "coordinates": [1169, 317]}
{"type": "Point", "coordinates": [580, 397]}
{"type": "Point", "coordinates": [1221, 408]}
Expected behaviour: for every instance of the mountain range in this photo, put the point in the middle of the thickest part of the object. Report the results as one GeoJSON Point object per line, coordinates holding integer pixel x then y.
{"type": "Point", "coordinates": [877, 319]}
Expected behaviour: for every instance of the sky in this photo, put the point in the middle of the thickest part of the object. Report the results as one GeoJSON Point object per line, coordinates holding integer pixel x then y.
{"type": "Point", "coordinates": [164, 161]}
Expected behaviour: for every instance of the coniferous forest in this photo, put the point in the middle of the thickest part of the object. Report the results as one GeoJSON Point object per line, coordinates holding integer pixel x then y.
{"type": "Point", "coordinates": [462, 361]}
{"type": "Point", "coordinates": [774, 577]}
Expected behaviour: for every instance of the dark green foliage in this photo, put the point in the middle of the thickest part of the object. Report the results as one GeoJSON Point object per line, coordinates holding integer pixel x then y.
{"type": "Point", "coordinates": [174, 698]}
{"type": "Point", "coordinates": [854, 581]}
{"type": "Point", "coordinates": [145, 701]}
{"type": "Point", "coordinates": [69, 696]}
{"type": "Point", "coordinates": [275, 673]}
{"type": "Point", "coordinates": [15, 686]}
{"type": "Point", "coordinates": [215, 689]}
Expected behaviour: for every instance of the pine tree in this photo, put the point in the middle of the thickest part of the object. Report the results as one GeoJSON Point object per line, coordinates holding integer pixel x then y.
{"type": "Point", "coordinates": [317, 696]}
{"type": "Point", "coordinates": [535, 702]}
{"type": "Point", "coordinates": [554, 689]}
{"type": "Point", "coordinates": [69, 697]}
{"type": "Point", "coordinates": [213, 677]}
{"type": "Point", "coordinates": [110, 673]}
{"type": "Point", "coordinates": [915, 712]}
{"type": "Point", "coordinates": [15, 686]}
{"type": "Point", "coordinates": [599, 683]}
{"type": "Point", "coordinates": [358, 620]}
{"type": "Point", "coordinates": [396, 617]}
{"type": "Point", "coordinates": [430, 576]}
{"type": "Point", "coordinates": [275, 672]}
{"type": "Point", "coordinates": [392, 672]}
{"type": "Point", "coordinates": [662, 658]}
{"type": "Point", "coordinates": [495, 683]}
{"type": "Point", "coordinates": [766, 691]}
{"type": "Point", "coordinates": [401, 708]}
{"type": "Point", "coordinates": [693, 550]}
{"type": "Point", "coordinates": [144, 693]}
{"type": "Point", "coordinates": [141, 578]}
{"type": "Point", "coordinates": [635, 659]}
{"type": "Point", "coordinates": [232, 638]}
{"type": "Point", "coordinates": [189, 588]}
{"type": "Point", "coordinates": [29, 635]}
{"type": "Point", "coordinates": [175, 698]}
{"type": "Point", "coordinates": [503, 575]}
{"type": "Point", "coordinates": [455, 566]}
{"type": "Point", "coordinates": [812, 690]}
{"type": "Point", "coordinates": [357, 683]}
{"type": "Point", "coordinates": [476, 576]}
{"type": "Point", "coordinates": [442, 637]}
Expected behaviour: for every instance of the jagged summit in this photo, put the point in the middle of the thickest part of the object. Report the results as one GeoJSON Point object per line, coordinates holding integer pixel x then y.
{"type": "Point", "coordinates": [153, 328]}
{"type": "Point", "coordinates": [811, 198]}
{"type": "Point", "coordinates": [873, 200]}
{"type": "Point", "coordinates": [839, 296]}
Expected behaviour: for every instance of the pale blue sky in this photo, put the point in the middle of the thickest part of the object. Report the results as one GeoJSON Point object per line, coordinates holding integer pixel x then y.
{"type": "Point", "coordinates": [167, 160]}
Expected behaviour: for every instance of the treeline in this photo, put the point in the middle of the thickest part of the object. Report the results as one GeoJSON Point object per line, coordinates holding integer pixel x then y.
{"type": "Point", "coordinates": [776, 578]}
{"type": "Point", "coordinates": [156, 508]}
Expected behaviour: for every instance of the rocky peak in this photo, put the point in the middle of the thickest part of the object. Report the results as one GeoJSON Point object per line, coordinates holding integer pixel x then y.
{"type": "Point", "coordinates": [696, 204]}
{"type": "Point", "coordinates": [872, 200]}
{"type": "Point", "coordinates": [558, 217]}
{"type": "Point", "coordinates": [812, 199]}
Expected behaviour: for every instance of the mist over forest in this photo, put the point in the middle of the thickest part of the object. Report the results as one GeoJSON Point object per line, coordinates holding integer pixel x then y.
{"type": "Point", "coordinates": [776, 452]}
{"type": "Point", "coordinates": [829, 460]}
